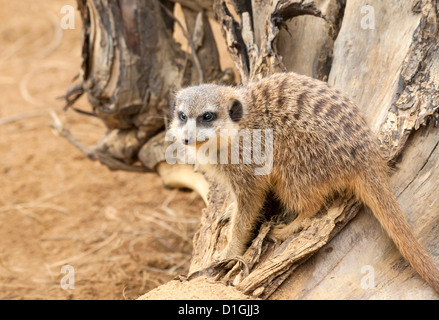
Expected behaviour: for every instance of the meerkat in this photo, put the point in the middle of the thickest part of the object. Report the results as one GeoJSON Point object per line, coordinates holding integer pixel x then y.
{"type": "Point", "coordinates": [321, 146]}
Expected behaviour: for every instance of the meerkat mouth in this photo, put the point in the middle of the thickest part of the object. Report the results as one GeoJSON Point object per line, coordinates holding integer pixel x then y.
{"type": "Point", "coordinates": [198, 143]}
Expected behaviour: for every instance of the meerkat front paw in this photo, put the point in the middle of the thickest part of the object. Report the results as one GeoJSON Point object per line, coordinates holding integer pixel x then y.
{"type": "Point", "coordinates": [226, 254]}
{"type": "Point", "coordinates": [228, 257]}
{"type": "Point", "coordinates": [230, 252]}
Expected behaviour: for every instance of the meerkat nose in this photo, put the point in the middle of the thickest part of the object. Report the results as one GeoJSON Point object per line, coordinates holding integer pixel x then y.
{"type": "Point", "coordinates": [186, 141]}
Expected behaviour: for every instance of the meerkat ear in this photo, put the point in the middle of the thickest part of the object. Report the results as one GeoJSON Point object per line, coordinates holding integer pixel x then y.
{"type": "Point", "coordinates": [235, 111]}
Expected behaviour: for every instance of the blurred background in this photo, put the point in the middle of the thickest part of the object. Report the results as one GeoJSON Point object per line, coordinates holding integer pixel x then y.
{"type": "Point", "coordinates": [123, 233]}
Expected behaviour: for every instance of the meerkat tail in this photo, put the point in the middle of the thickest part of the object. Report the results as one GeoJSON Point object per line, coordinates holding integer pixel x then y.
{"type": "Point", "coordinates": [376, 194]}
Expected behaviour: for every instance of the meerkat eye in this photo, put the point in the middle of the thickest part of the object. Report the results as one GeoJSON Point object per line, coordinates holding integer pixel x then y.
{"type": "Point", "coordinates": [208, 116]}
{"type": "Point", "coordinates": [182, 116]}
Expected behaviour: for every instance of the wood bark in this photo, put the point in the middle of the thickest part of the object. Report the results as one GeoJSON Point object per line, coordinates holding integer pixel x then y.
{"type": "Point", "coordinates": [388, 65]}
{"type": "Point", "coordinates": [131, 65]}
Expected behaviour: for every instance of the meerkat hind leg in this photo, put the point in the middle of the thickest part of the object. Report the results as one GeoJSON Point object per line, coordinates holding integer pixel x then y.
{"type": "Point", "coordinates": [283, 231]}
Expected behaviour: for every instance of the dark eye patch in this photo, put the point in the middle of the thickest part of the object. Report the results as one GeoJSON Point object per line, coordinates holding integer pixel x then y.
{"type": "Point", "coordinates": [182, 116]}
{"type": "Point", "coordinates": [207, 117]}
{"type": "Point", "coordinates": [235, 111]}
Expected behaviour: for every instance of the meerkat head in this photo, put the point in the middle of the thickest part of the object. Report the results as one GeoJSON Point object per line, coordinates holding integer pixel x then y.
{"type": "Point", "coordinates": [200, 112]}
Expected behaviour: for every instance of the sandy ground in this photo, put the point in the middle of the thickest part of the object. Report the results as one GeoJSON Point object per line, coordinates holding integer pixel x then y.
{"type": "Point", "coordinates": [122, 233]}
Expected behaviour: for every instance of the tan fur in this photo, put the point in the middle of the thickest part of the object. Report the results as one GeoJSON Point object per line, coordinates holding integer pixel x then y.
{"type": "Point", "coordinates": [322, 146]}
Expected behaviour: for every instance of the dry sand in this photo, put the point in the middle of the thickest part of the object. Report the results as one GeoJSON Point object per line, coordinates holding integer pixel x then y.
{"type": "Point", "coordinates": [123, 233]}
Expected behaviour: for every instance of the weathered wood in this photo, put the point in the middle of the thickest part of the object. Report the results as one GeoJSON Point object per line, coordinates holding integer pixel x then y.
{"type": "Point", "coordinates": [131, 67]}
{"type": "Point", "coordinates": [254, 52]}
{"type": "Point", "coordinates": [306, 43]}
{"type": "Point", "coordinates": [270, 273]}
{"type": "Point", "coordinates": [415, 101]}
{"type": "Point", "coordinates": [367, 62]}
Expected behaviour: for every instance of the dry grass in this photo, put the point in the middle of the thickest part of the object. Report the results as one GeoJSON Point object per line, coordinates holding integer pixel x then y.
{"type": "Point", "coordinates": [123, 233]}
